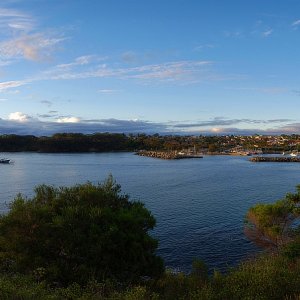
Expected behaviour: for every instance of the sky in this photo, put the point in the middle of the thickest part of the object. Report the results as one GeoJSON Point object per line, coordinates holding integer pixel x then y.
{"type": "Point", "coordinates": [141, 66]}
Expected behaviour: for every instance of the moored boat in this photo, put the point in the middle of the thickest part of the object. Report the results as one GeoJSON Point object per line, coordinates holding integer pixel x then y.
{"type": "Point", "coordinates": [294, 154]}
{"type": "Point", "coordinates": [4, 161]}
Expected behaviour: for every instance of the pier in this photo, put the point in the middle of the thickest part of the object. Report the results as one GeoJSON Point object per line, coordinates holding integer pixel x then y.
{"type": "Point", "coordinates": [275, 159]}
{"type": "Point", "coordinates": [167, 154]}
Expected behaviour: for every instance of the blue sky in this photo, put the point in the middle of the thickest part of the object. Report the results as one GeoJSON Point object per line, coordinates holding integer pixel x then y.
{"type": "Point", "coordinates": [187, 67]}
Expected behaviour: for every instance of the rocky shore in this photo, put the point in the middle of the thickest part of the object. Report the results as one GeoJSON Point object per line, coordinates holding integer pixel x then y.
{"type": "Point", "coordinates": [167, 154]}
{"type": "Point", "coordinates": [275, 159]}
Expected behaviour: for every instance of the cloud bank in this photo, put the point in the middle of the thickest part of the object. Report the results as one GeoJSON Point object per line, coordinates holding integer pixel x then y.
{"type": "Point", "coordinates": [20, 123]}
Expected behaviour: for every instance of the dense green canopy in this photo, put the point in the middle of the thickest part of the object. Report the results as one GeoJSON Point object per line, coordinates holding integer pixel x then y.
{"type": "Point", "coordinates": [75, 234]}
{"type": "Point", "coordinates": [275, 224]}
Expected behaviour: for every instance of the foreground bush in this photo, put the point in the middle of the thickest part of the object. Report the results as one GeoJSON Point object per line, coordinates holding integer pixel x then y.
{"type": "Point", "coordinates": [269, 277]}
{"type": "Point", "coordinates": [75, 234]}
{"type": "Point", "coordinates": [276, 224]}
{"type": "Point", "coordinates": [25, 287]}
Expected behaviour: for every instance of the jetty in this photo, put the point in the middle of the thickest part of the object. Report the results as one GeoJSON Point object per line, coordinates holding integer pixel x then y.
{"type": "Point", "coordinates": [167, 154]}
{"type": "Point", "coordinates": [275, 159]}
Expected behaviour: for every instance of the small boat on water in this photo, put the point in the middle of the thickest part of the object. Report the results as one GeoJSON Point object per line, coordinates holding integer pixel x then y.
{"type": "Point", "coordinates": [4, 161]}
{"type": "Point", "coordinates": [294, 154]}
{"type": "Point", "coordinates": [189, 153]}
{"type": "Point", "coordinates": [181, 153]}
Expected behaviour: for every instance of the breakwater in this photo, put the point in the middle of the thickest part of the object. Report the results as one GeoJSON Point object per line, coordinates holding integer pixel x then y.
{"type": "Point", "coordinates": [275, 159]}
{"type": "Point", "coordinates": [167, 154]}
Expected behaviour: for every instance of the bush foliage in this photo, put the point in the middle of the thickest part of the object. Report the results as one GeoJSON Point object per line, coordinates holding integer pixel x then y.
{"type": "Point", "coordinates": [276, 224]}
{"type": "Point", "coordinates": [79, 233]}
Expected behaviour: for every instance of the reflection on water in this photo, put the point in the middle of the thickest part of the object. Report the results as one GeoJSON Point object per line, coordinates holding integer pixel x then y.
{"type": "Point", "coordinates": [199, 204]}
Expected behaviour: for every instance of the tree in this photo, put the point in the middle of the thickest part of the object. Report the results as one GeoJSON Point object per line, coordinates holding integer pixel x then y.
{"type": "Point", "coordinates": [79, 233]}
{"type": "Point", "coordinates": [273, 225]}
{"type": "Point", "coordinates": [212, 148]}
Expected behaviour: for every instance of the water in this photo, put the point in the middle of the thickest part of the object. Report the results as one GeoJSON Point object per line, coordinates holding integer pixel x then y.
{"type": "Point", "coordinates": [199, 204]}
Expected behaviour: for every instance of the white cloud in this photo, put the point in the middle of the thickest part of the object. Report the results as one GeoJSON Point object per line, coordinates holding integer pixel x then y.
{"type": "Point", "coordinates": [171, 71]}
{"type": "Point", "coordinates": [68, 120]}
{"type": "Point", "coordinates": [79, 61]}
{"type": "Point", "coordinates": [19, 117]}
{"type": "Point", "coordinates": [21, 38]}
{"type": "Point", "coordinates": [32, 47]}
{"type": "Point", "coordinates": [38, 127]}
{"type": "Point", "coordinates": [7, 13]}
{"type": "Point", "coordinates": [218, 123]}
{"type": "Point", "coordinates": [296, 23]}
{"type": "Point", "coordinates": [107, 91]}
{"type": "Point", "coordinates": [216, 130]}
{"type": "Point", "coordinates": [11, 84]}
{"type": "Point", "coordinates": [185, 72]}
{"type": "Point", "coordinates": [15, 20]}
{"type": "Point", "coordinates": [168, 71]}
{"type": "Point", "coordinates": [267, 32]}
{"type": "Point", "coordinates": [19, 26]}
{"type": "Point", "coordinates": [17, 124]}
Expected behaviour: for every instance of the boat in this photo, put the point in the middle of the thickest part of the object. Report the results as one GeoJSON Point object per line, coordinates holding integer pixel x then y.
{"type": "Point", "coordinates": [189, 153]}
{"type": "Point", "coordinates": [4, 161]}
{"type": "Point", "coordinates": [181, 153]}
{"type": "Point", "coordinates": [294, 154]}
{"type": "Point", "coordinates": [194, 154]}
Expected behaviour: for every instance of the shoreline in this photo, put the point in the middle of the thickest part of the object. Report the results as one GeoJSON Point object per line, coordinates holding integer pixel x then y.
{"type": "Point", "coordinates": [274, 159]}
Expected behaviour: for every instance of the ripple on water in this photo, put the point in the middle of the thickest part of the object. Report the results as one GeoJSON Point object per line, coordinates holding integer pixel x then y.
{"type": "Point", "coordinates": [199, 204]}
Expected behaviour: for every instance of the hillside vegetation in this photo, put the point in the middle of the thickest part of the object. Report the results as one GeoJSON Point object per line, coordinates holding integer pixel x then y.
{"type": "Point", "coordinates": [103, 142]}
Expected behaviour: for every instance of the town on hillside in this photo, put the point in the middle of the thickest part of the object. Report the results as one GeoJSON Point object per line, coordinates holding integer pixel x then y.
{"type": "Point", "coordinates": [103, 142]}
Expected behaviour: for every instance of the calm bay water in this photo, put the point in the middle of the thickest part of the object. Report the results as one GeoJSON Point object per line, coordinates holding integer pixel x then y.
{"type": "Point", "coordinates": [199, 204]}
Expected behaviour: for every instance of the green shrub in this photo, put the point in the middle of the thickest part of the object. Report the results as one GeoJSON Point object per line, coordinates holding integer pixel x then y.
{"type": "Point", "coordinates": [74, 234]}
{"type": "Point", "coordinates": [273, 225]}
{"type": "Point", "coordinates": [292, 249]}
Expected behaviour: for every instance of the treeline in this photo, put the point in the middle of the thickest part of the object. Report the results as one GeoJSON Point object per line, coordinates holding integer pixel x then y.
{"type": "Point", "coordinates": [103, 142]}
{"type": "Point", "coordinates": [66, 142]}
